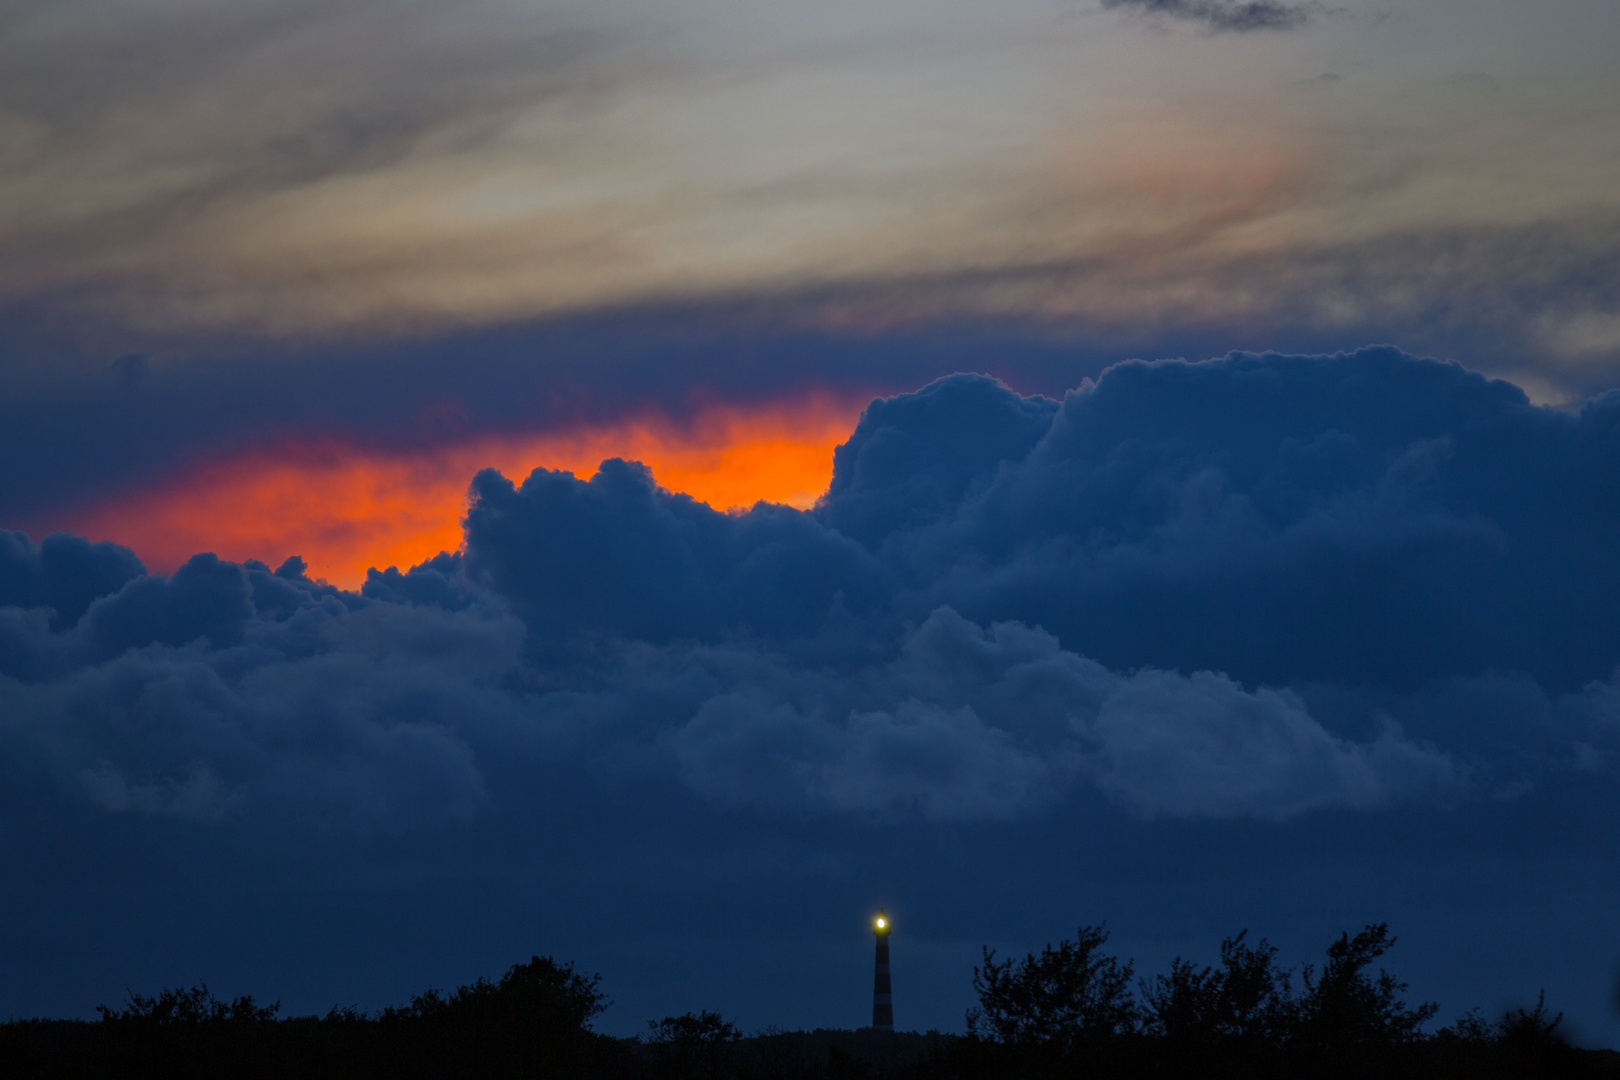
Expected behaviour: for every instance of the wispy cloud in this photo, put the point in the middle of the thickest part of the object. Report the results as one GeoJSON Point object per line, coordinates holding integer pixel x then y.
{"type": "Point", "coordinates": [175, 176]}
{"type": "Point", "coordinates": [1223, 15]}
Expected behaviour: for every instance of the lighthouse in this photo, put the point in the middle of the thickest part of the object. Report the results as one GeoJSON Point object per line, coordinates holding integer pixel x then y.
{"type": "Point", "coordinates": [882, 996]}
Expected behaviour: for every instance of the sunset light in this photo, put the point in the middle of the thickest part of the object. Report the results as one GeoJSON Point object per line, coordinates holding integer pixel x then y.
{"type": "Point", "coordinates": [422, 562]}
{"type": "Point", "coordinates": [345, 508]}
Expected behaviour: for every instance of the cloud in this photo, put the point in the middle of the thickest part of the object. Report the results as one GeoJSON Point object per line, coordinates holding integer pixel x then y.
{"type": "Point", "coordinates": [1257, 629]}
{"type": "Point", "coordinates": [1223, 15]}
{"type": "Point", "coordinates": [809, 663]}
{"type": "Point", "coordinates": [744, 751]}
{"type": "Point", "coordinates": [175, 169]}
{"type": "Point", "coordinates": [620, 554]}
{"type": "Point", "coordinates": [1435, 289]}
{"type": "Point", "coordinates": [338, 721]}
{"type": "Point", "coordinates": [1282, 519]}
{"type": "Point", "coordinates": [338, 713]}
{"type": "Point", "coordinates": [206, 599]}
{"type": "Point", "coordinates": [227, 692]}
{"type": "Point", "coordinates": [1203, 746]}
{"type": "Point", "coordinates": [969, 722]}
{"type": "Point", "coordinates": [1255, 587]}
{"type": "Point", "coordinates": [916, 455]}
{"type": "Point", "coordinates": [64, 573]}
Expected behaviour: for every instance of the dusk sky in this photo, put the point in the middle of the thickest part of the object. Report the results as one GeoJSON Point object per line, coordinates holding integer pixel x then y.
{"type": "Point", "coordinates": [649, 483]}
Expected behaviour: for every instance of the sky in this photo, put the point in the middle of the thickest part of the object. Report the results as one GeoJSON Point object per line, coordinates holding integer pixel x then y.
{"type": "Point", "coordinates": [650, 483]}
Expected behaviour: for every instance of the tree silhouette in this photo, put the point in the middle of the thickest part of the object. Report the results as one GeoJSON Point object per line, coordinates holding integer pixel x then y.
{"type": "Point", "coordinates": [1067, 1011]}
{"type": "Point", "coordinates": [1348, 1022]}
{"type": "Point", "coordinates": [692, 1046]}
{"type": "Point", "coordinates": [1070, 1001]}
{"type": "Point", "coordinates": [1236, 1014]}
{"type": "Point", "coordinates": [535, 1022]}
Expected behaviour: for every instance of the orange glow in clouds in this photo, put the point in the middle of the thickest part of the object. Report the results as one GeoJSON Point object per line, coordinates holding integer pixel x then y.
{"type": "Point", "coordinates": [345, 509]}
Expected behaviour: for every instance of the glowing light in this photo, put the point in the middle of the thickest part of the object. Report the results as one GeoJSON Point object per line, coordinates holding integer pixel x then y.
{"type": "Point", "coordinates": [345, 508]}
{"type": "Point", "coordinates": [881, 923]}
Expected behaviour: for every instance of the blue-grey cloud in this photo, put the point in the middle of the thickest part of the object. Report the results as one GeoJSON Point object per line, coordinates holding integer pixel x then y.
{"type": "Point", "coordinates": [1000, 601]}
{"type": "Point", "coordinates": [1276, 600]}
{"type": "Point", "coordinates": [1362, 517]}
{"type": "Point", "coordinates": [63, 573]}
{"type": "Point", "coordinates": [973, 722]}
{"type": "Point", "coordinates": [1233, 15]}
{"type": "Point", "coordinates": [620, 554]}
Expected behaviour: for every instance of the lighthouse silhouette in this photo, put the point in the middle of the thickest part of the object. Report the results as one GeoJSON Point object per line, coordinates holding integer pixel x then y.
{"type": "Point", "coordinates": [882, 995]}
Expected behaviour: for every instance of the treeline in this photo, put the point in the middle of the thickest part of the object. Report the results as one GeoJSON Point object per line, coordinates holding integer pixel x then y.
{"type": "Point", "coordinates": [1074, 1010]}
{"type": "Point", "coordinates": [1071, 1010]}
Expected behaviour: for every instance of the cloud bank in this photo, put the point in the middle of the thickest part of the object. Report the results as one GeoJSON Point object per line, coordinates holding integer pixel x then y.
{"type": "Point", "coordinates": [1000, 603]}
{"type": "Point", "coordinates": [1263, 598]}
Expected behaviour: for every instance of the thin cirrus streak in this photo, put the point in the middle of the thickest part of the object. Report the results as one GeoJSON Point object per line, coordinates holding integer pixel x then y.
{"type": "Point", "coordinates": [345, 508]}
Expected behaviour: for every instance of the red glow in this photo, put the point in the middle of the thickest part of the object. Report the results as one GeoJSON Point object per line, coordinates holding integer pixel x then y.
{"type": "Point", "coordinates": [345, 509]}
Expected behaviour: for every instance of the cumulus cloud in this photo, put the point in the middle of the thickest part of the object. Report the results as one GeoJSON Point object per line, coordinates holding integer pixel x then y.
{"type": "Point", "coordinates": [742, 750]}
{"type": "Point", "coordinates": [619, 554]}
{"type": "Point", "coordinates": [1203, 746]}
{"type": "Point", "coordinates": [916, 456]}
{"type": "Point", "coordinates": [1363, 517]}
{"type": "Point", "coordinates": [1220, 635]}
{"type": "Point", "coordinates": [64, 573]}
{"type": "Point", "coordinates": [972, 722]}
{"type": "Point", "coordinates": [386, 716]}
{"type": "Point", "coordinates": [203, 707]}
{"type": "Point", "coordinates": [1258, 587]}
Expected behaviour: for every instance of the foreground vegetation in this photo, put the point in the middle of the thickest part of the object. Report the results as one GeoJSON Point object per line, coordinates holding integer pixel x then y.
{"type": "Point", "coordinates": [1072, 1010]}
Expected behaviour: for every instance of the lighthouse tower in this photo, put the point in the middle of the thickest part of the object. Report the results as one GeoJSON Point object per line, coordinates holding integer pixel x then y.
{"type": "Point", "coordinates": [882, 996]}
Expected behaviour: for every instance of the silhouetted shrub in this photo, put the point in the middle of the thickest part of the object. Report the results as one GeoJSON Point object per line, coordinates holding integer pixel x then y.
{"type": "Point", "coordinates": [1067, 1011]}
{"type": "Point", "coordinates": [1232, 1019]}
{"type": "Point", "coordinates": [1050, 1010]}
{"type": "Point", "coordinates": [694, 1046]}
{"type": "Point", "coordinates": [181, 1033]}
{"type": "Point", "coordinates": [1350, 1023]}
{"type": "Point", "coordinates": [535, 1023]}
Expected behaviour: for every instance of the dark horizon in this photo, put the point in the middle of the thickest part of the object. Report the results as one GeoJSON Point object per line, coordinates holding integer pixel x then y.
{"type": "Point", "coordinates": [1073, 1008]}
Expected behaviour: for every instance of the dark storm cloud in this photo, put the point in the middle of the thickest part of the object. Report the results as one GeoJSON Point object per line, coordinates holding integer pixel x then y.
{"type": "Point", "coordinates": [64, 573]}
{"type": "Point", "coordinates": [620, 554]}
{"type": "Point", "coordinates": [1283, 604]}
{"type": "Point", "coordinates": [915, 457]}
{"type": "Point", "coordinates": [1233, 15]}
{"type": "Point", "coordinates": [1000, 601]}
{"type": "Point", "coordinates": [1360, 517]}
{"type": "Point", "coordinates": [967, 722]}
{"type": "Point", "coordinates": [1295, 504]}
{"type": "Point", "coordinates": [228, 691]}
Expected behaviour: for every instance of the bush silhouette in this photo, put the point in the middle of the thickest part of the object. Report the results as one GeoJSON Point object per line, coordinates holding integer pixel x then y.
{"type": "Point", "coordinates": [1061, 1004]}
{"type": "Point", "coordinates": [1348, 1022]}
{"type": "Point", "coordinates": [535, 1022]}
{"type": "Point", "coordinates": [1234, 1017]}
{"type": "Point", "coordinates": [1070, 1010]}
{"type": "Point", "coordinates": [693, 1046]}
